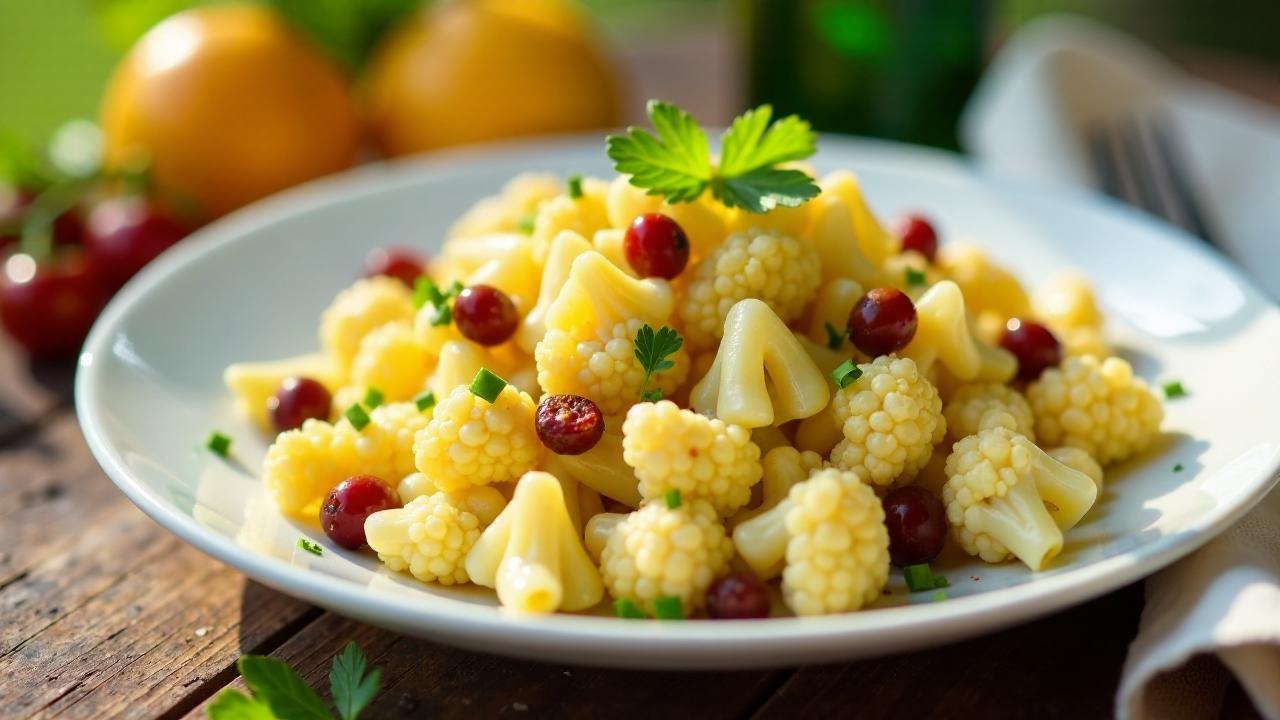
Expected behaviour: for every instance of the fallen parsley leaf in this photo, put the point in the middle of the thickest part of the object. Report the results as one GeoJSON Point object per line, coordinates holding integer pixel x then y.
{"type": "Point", "coordinates": [313, 548]}
{"type": "Point", "coordinates": [1173, 389]}
{"type": "Point", "coordinates": [231, 704]}
{"type": "Point", "coordinates": [834, 337]}
{"type": "Point", "coordinates": [676, 164]}
{"type": "Point", "coordinates": [914, 277]}
{"type": "Point", "coordinates": [353, 688]}
{"type": "Point", "coordinates": [275, 683]}
{"type": "Point", "coordinates": [652, 350]}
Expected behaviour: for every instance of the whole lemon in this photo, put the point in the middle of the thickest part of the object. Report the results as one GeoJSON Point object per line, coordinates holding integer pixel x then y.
{"type": "Point", "coordinates": [472, 70]}
{"type": "Point", "coordinates": [228, 104]}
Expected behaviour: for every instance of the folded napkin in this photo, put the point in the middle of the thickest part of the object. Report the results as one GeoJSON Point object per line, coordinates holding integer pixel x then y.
{"type": "Point", "coordinates": [1215, 613]}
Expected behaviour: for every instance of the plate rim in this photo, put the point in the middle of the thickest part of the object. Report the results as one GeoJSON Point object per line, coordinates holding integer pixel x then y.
{"type": "Point", "coordinates": [777, 641]}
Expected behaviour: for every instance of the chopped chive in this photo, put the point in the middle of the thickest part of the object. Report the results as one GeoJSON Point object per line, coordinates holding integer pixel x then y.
{"type": "Point", "coordinates": [455, 287]}
{"type": "Point", "coordinates": [423, 290]}
{"type": "Point", "coordinates": [425, 401]}
{"type": "Point", "coordinates": [845, 374]}
{"type": "Point", "coordinates": [914, 277]}
{"type": "Point", "coordinates": [313, 548]}
{"type": "Point", "coordinates": [487, 385]}
{"type": "Point", "coordinates": [525, 224]}
{"type": "Point", "coordinates": [444, 315]}
{"type": "Point", "coordinates": [575, 187]}
{"type": "Point", "coordinates": [373, 397]}
{"type": "Point", "coordinates": [939, 595]}
{"type": "Point", "coordinates": [1177, 468]}
{"type": "Point", "coordinates": [625, 608]}
{"type": "Point", "coordinates": [918, 577]}
{"type": "Point", "coordinates": [1173, 389]}
{"type": "Point", "coordinates": [357, 416]}
{"type": "Point", "coordinates": [672, 498]}
{"type": "Point", "coordinates": [940, 581]}
{"type": "Point", "coordinates": [834, 337]}
{"type": "Point", "coordinates": [219, 444]}
{"type": "Point", "coordinates": [668, 608]}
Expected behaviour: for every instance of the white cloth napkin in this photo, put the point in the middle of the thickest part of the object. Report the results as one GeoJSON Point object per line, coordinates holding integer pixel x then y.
{"type": "Point", "coordinates": [1215, 613]}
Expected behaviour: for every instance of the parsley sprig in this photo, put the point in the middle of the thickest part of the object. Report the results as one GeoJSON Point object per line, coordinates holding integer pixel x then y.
{"type": "Point", "coordinates": [653, 350]}
{"type": "Point", "coordinates": [278, 691]}
{"type": "Point", "coordinates": [677, 164]}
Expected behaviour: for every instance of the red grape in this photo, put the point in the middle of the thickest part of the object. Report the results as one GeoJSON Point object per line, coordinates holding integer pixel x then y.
{"type": "Point", "coordinates": [917, 234]}
{"type": "Point", "coordinates": [485, 315]}
{"type": "Point", "coordinates": [917, 524]}
{"type": "Point", "coordinates": [1034, 345]}
{"type": "Point", "coordinates": [403, 264]}
{"type": "Point", "coordinates": [299, 399]}
{"type": "Point", "coordinates": [739, 596]}
{"type": "Point", "coordinates": [350, 503]}
{"type": "Point", "coordinates": [569, 424]}
{"type": "Point", "coordinates": [882, 321]}
{"type": "Point", "coordinates": [48, 307]}
{"type": "Point", "coordinates": [656, 246]}
{"type": "Point", "coordinates": [125, 233]}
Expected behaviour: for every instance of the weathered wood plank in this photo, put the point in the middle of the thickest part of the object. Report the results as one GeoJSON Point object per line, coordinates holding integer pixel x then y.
{"type": "Point", "coordinates": [104, 613]}
{"type": "Point", "coordinates": [424, 679]}
{"type": "Point", "coordinates": [1065, 666]}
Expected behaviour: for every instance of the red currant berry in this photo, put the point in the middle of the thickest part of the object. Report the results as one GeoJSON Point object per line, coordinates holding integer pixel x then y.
{"type": "Point", "coordinates": [656, 246]}
{"type": "Point", "coordinates": [917, 234]}
{"type": "Point", "coordinates": [485, 315]}
{"type": "Point", "coordinates": [49, 307]}
{"type": "Point", "coordinates": [882, 321]}
{"type": "Point", "coordinates": [125, 233]}
{"type": "Point", "coordinates": [1035, 347]}
{"type": "Point", "coordinates": [299, 399]}
{"type": "Point", "coordinates": [917, 524]}
{"type": "Point", "coordinates": [350, 503]}
{"type": "Point", "coordinates": [402, 264]}
{"type": "Point", "coordinates": [740, 596]}
{"type": "Point", "coordinates": [569, 424]}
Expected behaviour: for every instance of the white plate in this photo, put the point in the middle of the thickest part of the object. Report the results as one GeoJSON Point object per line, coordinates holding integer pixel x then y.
{"type": "Point", "coordinates": [251, 287]}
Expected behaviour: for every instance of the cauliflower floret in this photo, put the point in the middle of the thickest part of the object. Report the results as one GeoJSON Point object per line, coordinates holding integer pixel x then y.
{"type": "Point", "coordinates": [987, 287]}
{"type": "Point", "coordinates": [1078, 341]}
{"type": "Point", "coordinates": [1006, 497]}
{"type": "Point", "coordinates": [1067, 301]}
{"type": "Point", "coordinates": [660, 552]}
{"type": "Point", "coordinates": [589, 346]}
{"type": "Point", "coordinates": [369, 303]}
{"type": "Point", "coordinates": [1099, 406]}
{"type": "Point", "coordinates": [979, 406]}
{"type": "Point", "coordinates": [827, 539]}
{"type": "Point", "coordinates": [703, 458]}
{"type": "Point", "coordinates": [761, 374]}
{"type": "Point", "coordinates": [303, 465]}
{"type": "Point", "coordinates": [890, 419]}
{"type": "Point", "coordinates": [583, 215]}
{"type": "Point", "coordinates": [255, 382]}
{"type": "Point", "coordinates": [394, 360]}
{"type": "Point", "coordinates": [505, 212]}
{"type": "Point", "coordinates": [943, 334]}
{"type": "Point", "coordinates": [429, 537]}
{"type": "Point", "coordinates": [532, 555]}
{"type": "Point", "coordinates": [778, 269]}
{"type": "Point", "coordinates": [470, 441]}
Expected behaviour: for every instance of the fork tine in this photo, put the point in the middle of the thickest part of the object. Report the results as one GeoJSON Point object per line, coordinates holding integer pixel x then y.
{"type": "Point", "coordinates": [1102, 151]}
{"type": "Point", "coordinates": [1138, 160]}
{"type": "Point", "coordinates": [1179, 181]}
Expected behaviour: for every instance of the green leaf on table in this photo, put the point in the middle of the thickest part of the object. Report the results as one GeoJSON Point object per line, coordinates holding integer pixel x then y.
{"type": "Point", "coordinates": [352, 688]}
{"type": "Point", "coordinates": [276, 684]}
{"type": "Point", "coordinates": [232, 704]}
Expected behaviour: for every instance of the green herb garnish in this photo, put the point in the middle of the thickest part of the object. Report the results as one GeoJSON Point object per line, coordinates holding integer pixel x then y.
{"type": "Point", "coordinates": [672, 498]}
{"type": "Point", "coordinates": [835, 338]}
{"type": "Point", "coordinates": [914, 277]}
{"type": "Point", "coordinates": [676, 164]}
{"type": "Point", "coordinates": [1178, 467]}
{"type": "Point", "coordinates": [625, 608]}
{"type": "Point", "coordinates": [524, 225]}
{"type": "Point", "coordinates": [357, 416]}
{"type": "Point", "coordinates": [844, 375]}
{"type": "Point", "coordinates": [486, 384]}
{"type": "Point", "coordinates": [313, 548]}
{"type": "Point", "coordinates": [939, 595]}
{"type": "Point", "coordinates": [426, 291]}
{"type": "Point", "coordinates": [940, 581]}
{"type": "Point", "coordinates": [918, 577]}
{"type": "Point", "coordinates": [425, 400]}
{"type": "Point", "coordinates": [668, 608]}
{"type": "Point", "coordinates": [653, 350]}
{"type": "Point", "coordinates": [279, 692]}
{"type": "Point", "coordinates": [1173, 389]}
{"type": "Point", "coordinates": [219, 444]}
{"type": "Point", "coordinates": [373, 397]}
{"type": "Point", "coordinates": [575, 187]}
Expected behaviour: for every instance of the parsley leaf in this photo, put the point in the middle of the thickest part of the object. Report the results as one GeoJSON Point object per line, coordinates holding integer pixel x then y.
{"type": "Point", "coordinates": [276, 684]}
{"type": "Point", "coordinates": [677, 164]}
{"type": "Point", "coordinates": [352, 688]}
{"type": "Point", "coordinates": [313, 548]}
{"type": "Point", "coordinates": [231, 704]}
{"type": "Point", "coordinates": [652, 350]}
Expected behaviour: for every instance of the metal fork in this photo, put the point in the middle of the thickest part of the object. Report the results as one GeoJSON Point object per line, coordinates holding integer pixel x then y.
{"type": "Point", "coordinates": [1138, 160]}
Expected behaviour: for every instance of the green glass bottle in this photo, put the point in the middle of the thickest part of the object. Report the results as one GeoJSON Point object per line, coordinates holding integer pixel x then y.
{"type": "Point", "coordinates": [895, 69]}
